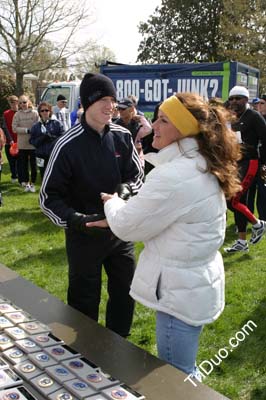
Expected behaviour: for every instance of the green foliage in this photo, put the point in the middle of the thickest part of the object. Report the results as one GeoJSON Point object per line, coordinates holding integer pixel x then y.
{"type": "Point", "coordinates": [243, 28]}
{"type": "Point", "coordinates": [31, 245]}
{"type": "Point", "coordinates": [181, 31]}
{"type": "Point", "coordinates": [211, 30]}
{"type": "Point", "coordinates": [7, 88]}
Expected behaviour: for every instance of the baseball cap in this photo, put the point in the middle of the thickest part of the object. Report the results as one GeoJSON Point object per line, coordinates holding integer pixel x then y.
{"type": "Point", "coordinates": [125, 103]}
{"type": "Point", "coordinates": [255, 101]}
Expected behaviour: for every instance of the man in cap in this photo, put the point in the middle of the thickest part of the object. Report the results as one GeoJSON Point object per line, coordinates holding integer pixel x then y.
{"type": "Point", "coordinates": [258, 189]}
{"type": "Point", "coordinates": [127, 118]}
{"type": "Point", "coordinates": [255, 104]}
{"type": "Point", "coordinates": [137, 124]}
{"type": "Point", "coordinates": [262, 106]}
{"type": "Point", "coordinates": [250, 130]}
{"type": "Point", "coordinates": [61, 112]}
{"type": "Point", "coordinates": [92, 157]}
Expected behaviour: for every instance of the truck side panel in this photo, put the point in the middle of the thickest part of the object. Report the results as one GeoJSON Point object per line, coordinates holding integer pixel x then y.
{"type": "Point", "coordinates": [153, 83]}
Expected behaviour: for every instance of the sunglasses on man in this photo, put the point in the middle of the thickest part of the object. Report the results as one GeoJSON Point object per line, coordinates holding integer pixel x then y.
{"type": "Point", "coordinates": [237, 98]}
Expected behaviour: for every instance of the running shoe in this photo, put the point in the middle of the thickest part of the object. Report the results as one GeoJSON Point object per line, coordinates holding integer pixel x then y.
{"type": "Point", "coordinates": [237, 247]}
{"type": "Point", "coordinates": [257, 233]}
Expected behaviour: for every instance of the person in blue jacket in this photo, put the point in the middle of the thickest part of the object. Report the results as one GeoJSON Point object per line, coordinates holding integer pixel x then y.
{"type": "Point", "coordinates": [43, 135]}
{"type": "Point", "coordinates": [94, 156]}
{"type": "Point", "coordinates": [75, 114]}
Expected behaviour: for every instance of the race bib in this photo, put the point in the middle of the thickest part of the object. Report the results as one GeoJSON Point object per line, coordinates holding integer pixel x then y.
{"type": "Point", "coordinates": [40, 162]}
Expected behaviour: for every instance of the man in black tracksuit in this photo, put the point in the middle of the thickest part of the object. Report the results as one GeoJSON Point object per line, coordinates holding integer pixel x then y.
{"type": "Point", "coordinates": [92, 157]}
{"type": "Point", "coordinates": [250, 129]}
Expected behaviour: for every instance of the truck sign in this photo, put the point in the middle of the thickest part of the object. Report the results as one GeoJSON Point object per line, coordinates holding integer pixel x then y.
{"type": "Point", "coordinates": [153, 83]}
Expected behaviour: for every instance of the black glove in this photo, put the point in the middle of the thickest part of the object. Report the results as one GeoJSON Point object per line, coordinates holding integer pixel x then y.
{"type": "Point", "coordinates": [124, 191]}
{"type": "Point", "coordinates": [77, 222]}
{"type": "Point", "coordinates": [28, 131]}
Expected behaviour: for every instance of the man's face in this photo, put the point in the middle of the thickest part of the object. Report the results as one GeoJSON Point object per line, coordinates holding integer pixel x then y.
{"type": "Point", "coordinates": [13, 104]}
{"type": "Point", "coordinates": [62, 103]}
{"type": "Point", "coordinates": [100, 113]}
{"type": "Point", "coordinates": [126, 114]}
{"type": "Point", "coordinates": [262, 107]}
{"type": "Point", "coordinates": [238, 104]}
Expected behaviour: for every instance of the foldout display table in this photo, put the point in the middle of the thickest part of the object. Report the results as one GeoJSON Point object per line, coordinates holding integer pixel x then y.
{"type": "Point", "coordinates": [128, 363]}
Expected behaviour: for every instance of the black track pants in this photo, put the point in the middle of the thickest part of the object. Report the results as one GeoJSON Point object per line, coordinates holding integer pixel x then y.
{"type": "Point", "coordinates": [86, 256]}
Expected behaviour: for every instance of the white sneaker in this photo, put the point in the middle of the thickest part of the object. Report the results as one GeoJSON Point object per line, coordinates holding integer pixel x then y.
{"type": "Point", "coordinates": [257, 233]}
{"type": "Point", "coordinates": [23, 184]}
{"type": "Point", "coordinates": [27, 188]}
{"type": "Point", "coordinates": [237, 247]}
{"type": "Point", "coordinates": [32, 188]}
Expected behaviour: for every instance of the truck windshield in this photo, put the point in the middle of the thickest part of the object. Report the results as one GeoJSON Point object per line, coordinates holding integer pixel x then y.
{"type": "Point", "coordinates": [50, 94]}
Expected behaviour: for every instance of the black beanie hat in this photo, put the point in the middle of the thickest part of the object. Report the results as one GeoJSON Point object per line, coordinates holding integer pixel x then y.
{"type": "Point", "coordinates": [93, 87]}
{"type": "Point", "coordinates": [60, 97]}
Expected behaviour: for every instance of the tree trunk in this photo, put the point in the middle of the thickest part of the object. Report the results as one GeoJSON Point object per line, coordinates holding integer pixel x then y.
{"type": "Point", "coordinates": [19, 83]}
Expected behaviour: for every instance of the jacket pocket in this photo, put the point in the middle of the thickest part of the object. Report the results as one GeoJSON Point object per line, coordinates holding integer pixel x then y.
{"type": "Point", "coordinates": [146, 281]}
{"type": "Point", "coordinates": [158, 292]}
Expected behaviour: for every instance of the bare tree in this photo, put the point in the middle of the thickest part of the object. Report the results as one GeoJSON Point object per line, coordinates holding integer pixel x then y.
{"type": "Point", "coordinates": [91, 56]}
{"type": "Point", "coordinates": [25, 26]}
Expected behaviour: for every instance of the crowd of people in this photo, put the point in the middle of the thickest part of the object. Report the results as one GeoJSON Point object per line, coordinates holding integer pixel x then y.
{"type": "Point", "coordinates": [34, 132]}
{"type": "Point", "coordinates": [110, 177]}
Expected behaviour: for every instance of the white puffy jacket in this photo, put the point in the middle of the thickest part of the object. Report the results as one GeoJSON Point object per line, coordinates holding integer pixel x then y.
{"type": "Point", "coordinates": [180, 215]}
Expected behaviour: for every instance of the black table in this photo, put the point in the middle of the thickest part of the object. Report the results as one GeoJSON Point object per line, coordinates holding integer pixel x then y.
{"type": "Point", "coordinates": [142, 371]}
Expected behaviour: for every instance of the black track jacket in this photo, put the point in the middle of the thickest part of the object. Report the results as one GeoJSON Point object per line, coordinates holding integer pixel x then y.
{"type": "Point", "coordinates": [253, 131]}
{"type": "Point", "coordinates": [82, 165]}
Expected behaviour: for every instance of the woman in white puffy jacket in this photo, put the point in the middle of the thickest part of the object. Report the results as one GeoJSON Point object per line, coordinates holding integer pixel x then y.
{"type": "Point", "coordinates": [180, 215]}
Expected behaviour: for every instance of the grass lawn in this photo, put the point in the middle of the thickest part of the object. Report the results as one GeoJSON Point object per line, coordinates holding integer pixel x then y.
{"type": "Point", "coordinates": [31, 245]}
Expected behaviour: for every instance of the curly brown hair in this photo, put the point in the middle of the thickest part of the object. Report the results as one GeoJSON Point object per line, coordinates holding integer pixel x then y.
{"type": "Point", "coordinates": [217, 142]}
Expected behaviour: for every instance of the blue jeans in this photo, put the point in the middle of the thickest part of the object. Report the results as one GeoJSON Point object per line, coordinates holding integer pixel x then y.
{"type": "Point", "coordinates": [177, 342]}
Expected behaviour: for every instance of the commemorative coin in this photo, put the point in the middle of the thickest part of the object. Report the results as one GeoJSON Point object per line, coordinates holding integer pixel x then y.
{"type": "Point", "coordinates": [119, 394]}
{"type": "Point", "coordinates": [45, 382]}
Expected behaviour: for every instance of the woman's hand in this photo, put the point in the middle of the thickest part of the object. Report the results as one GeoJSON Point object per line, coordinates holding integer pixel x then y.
{"type": "Point", "coordinates": [106, 196]}
{"type": "Point", "coordinates": [99, 224]}
{"type": "Point", "coordinates": [103, 222]}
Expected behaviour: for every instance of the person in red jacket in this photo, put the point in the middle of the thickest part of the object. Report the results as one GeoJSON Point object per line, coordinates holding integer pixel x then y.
{"type": "Point", "coordinates": [2, 143]}
{"type": "Point", "coordinates": [11, 136]}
